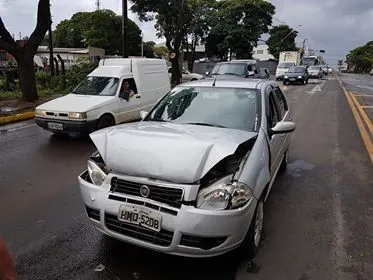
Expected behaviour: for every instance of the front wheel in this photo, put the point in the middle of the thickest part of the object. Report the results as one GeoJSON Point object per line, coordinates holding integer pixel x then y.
{"type": "Point", "coordinates": [250, 245]}
{"type": "Point", "coordinates": [105, 121]}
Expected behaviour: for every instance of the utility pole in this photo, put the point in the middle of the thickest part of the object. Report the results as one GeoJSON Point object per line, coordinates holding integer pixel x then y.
{"type": "Point", "coordinates": [124, 29]}
{"type": "Point", "coordinates": [98, 5]}
{"type": "Point", "coordinates": [51, 56]}
{"type": "Point", "coordinates": [142, 44]}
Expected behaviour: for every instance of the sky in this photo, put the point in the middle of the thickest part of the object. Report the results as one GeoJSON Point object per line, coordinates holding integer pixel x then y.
{"type": "Point", "coordinates": [336, 26]}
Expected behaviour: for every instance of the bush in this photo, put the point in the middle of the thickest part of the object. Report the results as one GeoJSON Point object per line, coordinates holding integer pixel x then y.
{"type": "Point", "coordinates": [43, 78]}
{"type": "Point", "coordinates": [57, 83]}
{"type": "Point", "coordinates": [79, 71]}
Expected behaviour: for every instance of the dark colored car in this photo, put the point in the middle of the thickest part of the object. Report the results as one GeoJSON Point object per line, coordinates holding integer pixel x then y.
{"type": "Point", "coordinates": [324, 69]}
{"type": "Point", "coordinates": [296, 74]}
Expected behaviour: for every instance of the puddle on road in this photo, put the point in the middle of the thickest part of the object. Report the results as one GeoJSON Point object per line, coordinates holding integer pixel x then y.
{"type": "Point", "coordinates": [297, 168]}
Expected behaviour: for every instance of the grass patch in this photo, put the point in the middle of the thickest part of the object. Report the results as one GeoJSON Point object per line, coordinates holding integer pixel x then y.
{"type": "Point", "coordinates": [17, 95]}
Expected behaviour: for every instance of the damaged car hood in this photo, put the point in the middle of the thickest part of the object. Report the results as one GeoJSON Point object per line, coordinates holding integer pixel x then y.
{"type": "Point", "coordinates": [178, 153]}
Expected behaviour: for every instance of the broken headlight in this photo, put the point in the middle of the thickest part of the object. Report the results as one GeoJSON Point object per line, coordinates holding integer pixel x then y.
{"type": "Point", "coordinates": [97, 170]}
{"type": "Point", "coordinates": [224, 194]}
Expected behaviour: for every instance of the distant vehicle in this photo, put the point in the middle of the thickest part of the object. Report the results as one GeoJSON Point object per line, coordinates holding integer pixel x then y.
{"type": "Point", "coordinates": [291, 56]}
{"type": "Point", "coordinates": [311, 60]}
{"type": "Point", "coordinates": [371, 72]}
{"type": "Point", "coordinates": [192, 178]}
{"type": "Point", "coordinates": [343, 69]}
{"type": "Point", "coordinates": [240, 68]}
{"type": "Point", "coordinates": [315, 72]}
{"type": "Point", "coordinates": [113, 93]}
{"type": "Point", "coordinates": [282, 68]}
{"type": "Point", "coordinates": [296, 74]}
{"type": "Point", "coordinates": [324, 69]}
{"type": "Point", "coordinates": [187, 76]}
{"type": "Point", "coordinates": [264, 73]}
{"type": "Point", "coordinates": [330, 70]}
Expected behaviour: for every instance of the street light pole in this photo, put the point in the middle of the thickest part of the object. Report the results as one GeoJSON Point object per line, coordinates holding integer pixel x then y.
{"type": "Point", "coordinates": [124, 29]}
{"type": "Point", "coordinates": [142, 44]}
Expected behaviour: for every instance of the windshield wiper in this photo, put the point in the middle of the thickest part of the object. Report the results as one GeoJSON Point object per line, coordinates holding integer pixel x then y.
{"type": "Point", "coordinates": [207, 124]}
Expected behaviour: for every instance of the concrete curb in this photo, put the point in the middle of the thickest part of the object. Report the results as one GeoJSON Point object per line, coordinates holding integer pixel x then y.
{"type": "Point", "coordinates": [17, 118]}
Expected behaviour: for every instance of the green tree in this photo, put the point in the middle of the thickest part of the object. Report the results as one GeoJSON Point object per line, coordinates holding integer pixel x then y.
{"type": "Point", "coordinates": [24, 53]}
{"type": "Point", "coordinates": [161, 51]}
{"type": "Point", "coordinates": [173, 19]}
{"type": "Point", "coordinates": [101, 29]}
{"type": "Point", "coordinates": [236, 26]}
{"type": "Point", "coordinates": [360, 59]}
{"type": "Point", "coordinates": [282, 38]}
{"type": "Point", "coordinates": [149, 49]}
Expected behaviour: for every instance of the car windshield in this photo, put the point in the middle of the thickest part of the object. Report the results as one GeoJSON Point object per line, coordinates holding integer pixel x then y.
{"type": "Point", "coordinates": [234, 108]}
{"type": "Point", "coordinates": [296, 70]}
{"type": "Point", "coordinates": [314, 68]}
{"type": "Point", "coordinates": [103, 86]}
{"type": "Point", "coordinates": [285, 64]}
{"type": "Point", "coordinates": [239, 69]}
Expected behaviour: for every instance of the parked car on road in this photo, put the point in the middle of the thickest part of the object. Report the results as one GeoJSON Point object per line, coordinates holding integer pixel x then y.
{"type": "Point", "coordinates": [187, 75]}
{"type": "Point", "coordinates": [264, 73]}
{"type": "Point", "coordinates": [330, 70]}
{"type": "Point", "coordinates": [315, 72]}
{"type": "Point", "coordinates": [240, 68]}
{"type": "Point", "coordinates": [296, 74]}
{"type": "Point", "coordinates": [113, 93]}
{"type": "Point", "coordinates": [192, 177]}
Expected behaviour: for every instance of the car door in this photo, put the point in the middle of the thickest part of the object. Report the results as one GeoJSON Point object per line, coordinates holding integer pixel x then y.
{"type": "Point", "coordinates": [129, 109]}
{"type": "Point", "coordinates": [186, 76]}
{"type": "Point", "coordinates": [275, 140]}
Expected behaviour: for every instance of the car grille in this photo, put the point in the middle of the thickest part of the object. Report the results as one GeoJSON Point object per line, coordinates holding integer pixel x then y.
{"type": "Point", "coordinates": [204, 243]}
{"type": "Point", "coordinates": [162, 238]}
{"type": "Point", "coordinates": [170, 196]}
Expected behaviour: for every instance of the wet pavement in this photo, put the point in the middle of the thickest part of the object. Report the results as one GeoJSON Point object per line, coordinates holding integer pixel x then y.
{"type": "Point", "coordinates": [318, 223]}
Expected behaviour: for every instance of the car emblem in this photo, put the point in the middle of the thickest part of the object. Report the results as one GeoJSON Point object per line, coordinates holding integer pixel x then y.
{"type": "Point", "coordinates": [144, 191]}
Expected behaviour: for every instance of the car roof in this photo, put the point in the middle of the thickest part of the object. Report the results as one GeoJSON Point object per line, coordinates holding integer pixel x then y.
{"type": "Point", "coordinates": [239, 61]}
{"type": "Point", "coordinates": [230, 83]}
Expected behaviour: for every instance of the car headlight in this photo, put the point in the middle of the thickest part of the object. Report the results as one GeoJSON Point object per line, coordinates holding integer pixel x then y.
{"type": "Point", "coordinates": [40, 113]}
{"type": "Point", "coordinates": [300, 77]}
{"type": "Point", "coordinates": [96, 174]}
{"type": "Point", "coordinates": [286, 77]}
{"type": "Point", "coordinates": [77, 116]}
{"type": "Point", "coordinates": [224, 194]}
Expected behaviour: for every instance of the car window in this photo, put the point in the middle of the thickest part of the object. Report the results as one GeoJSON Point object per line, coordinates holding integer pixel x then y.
{"type": "Point", "coordinates": [249, 68]}
{"type": "Point", "coordinates": [281, 102]}
{"type": "Point", "coordinates": [169, 70]}
{"type": "Point", "coordinates": [273, 115]}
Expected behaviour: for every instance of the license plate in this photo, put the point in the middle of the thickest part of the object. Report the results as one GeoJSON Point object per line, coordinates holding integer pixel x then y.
{"type": "Point", "coordinates": [55, 126]}
{"type": "Point", "coordinates": [292, 79]}
{"type": "Point", "coordinates": [139, 215]}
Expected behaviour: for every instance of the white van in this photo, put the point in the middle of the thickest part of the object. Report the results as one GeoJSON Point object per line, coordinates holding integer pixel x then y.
{"type": "Point", "coordinates": [102, 99]}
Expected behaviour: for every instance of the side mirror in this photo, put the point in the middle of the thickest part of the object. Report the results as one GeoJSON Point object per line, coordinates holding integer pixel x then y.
{"type": "Point", "coordinates": [283, 127]}
{"type": "Point", "coordinates": [250, 73]}
{"type": "Point", "coordinates": [207, 73]}
{"type": "Point", "coordinates": [143, 114]}
{"type": "Point", "coordinates": [71, 89]}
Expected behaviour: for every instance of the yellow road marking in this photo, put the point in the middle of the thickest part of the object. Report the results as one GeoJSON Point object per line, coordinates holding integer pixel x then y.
{"type": "Point", "coordinates": [363, 95]}
{"type": "Point", "coordinates": [363, 114]}
{"type": "Point", "coordinates": [364, 133]}
{"type": "Point", "coordinates": [367, 107]}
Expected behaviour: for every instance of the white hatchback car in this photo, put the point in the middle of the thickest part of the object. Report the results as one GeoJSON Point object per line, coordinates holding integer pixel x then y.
{"type": "Point", "coordinates": [192, 177]}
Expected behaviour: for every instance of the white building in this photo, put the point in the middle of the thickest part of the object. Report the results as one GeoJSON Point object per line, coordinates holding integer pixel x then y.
{"type": "Point", "coordinates": [261, 53]}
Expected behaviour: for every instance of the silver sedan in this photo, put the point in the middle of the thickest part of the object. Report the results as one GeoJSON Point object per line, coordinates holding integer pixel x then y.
{"type": "Point", "coordinates": [192, 177]}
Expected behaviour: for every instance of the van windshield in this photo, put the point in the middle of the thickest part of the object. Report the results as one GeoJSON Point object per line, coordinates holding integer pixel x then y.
{"type": "Point", "coordinates": [103, 86]}
{"type": "Point", "coordinates": [285, 64]}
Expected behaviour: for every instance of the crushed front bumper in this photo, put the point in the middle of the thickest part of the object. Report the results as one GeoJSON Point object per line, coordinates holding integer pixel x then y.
{"type": "Point", "coordinates": [185, 231]}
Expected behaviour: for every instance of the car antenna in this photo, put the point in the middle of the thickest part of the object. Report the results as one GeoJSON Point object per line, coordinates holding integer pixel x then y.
{"type": "Point", "coordinates": [213, 84]}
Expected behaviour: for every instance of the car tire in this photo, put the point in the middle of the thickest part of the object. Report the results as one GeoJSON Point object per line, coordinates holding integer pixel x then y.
{"type": "Point", "coordinates": [284, 83]}
{"type": "Point", "coordinates": [251, 243]}
{"type": "Point", "coordinates": [105, 121]}
{"type": "Point", "coordinates": [307, 81]}
{"type": "Point", "coordinates": [284, 162]}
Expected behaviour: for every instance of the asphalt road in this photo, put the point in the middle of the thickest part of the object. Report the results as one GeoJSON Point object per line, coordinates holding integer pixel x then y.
{"type": "Point", "coordinates": [318, 223]}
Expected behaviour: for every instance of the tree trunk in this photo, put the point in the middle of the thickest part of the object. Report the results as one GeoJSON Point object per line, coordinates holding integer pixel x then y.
{"type": "Point", "coordinates": [176, 74]}
{"type": "Point", "coordinates": [27, 79]}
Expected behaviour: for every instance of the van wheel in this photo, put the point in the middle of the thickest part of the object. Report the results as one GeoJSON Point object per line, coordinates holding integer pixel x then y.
{"type": "Point", "coordinates": [250, 245]}
{"type": "Point", "coordinates": [105, 121]}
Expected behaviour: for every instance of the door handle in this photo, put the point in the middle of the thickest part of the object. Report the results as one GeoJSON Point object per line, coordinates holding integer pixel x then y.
{"type": "Point", "coordinates": [138, 96]}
